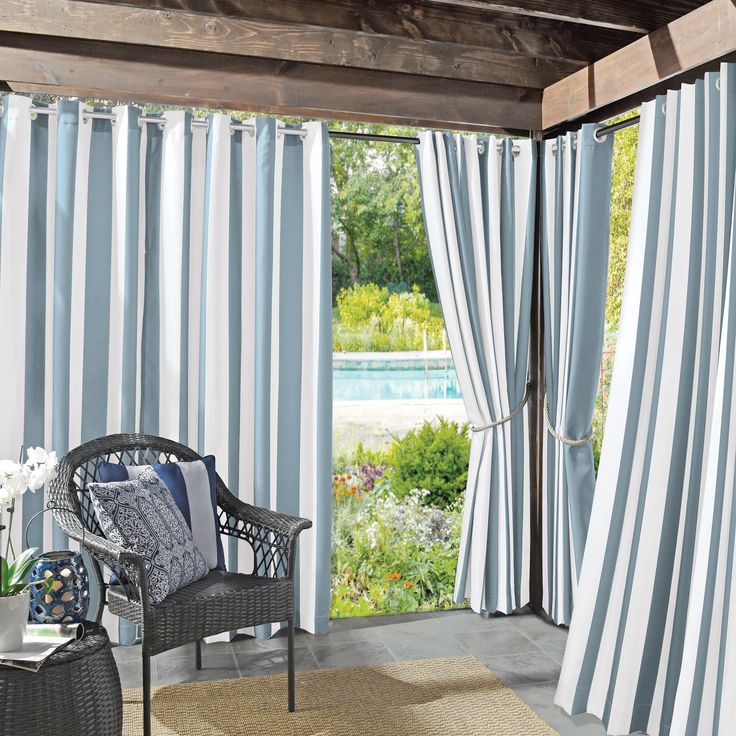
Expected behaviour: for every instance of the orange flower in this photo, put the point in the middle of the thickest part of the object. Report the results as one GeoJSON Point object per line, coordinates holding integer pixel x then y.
{"type": "Point", "coordinates": [408, 584]}
{"type": "Point", "coordinates": [353, 489]}
{"type": "Point", "coordinates": [392, 576]}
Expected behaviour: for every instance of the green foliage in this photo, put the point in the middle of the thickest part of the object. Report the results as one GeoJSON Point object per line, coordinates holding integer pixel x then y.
{"type": "Point", "coordinates": [13, 575]}
{"type": "Point", "coordinates": [367, 455]}
{"type": "Point", "coordinates": [371, 318]}
{"type": "Point", "coordinates": [391, 555]}
{"type": "Point", "coordinates": [604, 388]}
{"type": "Point", "coordinates": [622, 189]}
{"type": "Point", "coordinates": [433, 457]}
{"type": "Point", "coordinates": [363, 305]}
{"type": "Point", "coordinates": [377, 224]}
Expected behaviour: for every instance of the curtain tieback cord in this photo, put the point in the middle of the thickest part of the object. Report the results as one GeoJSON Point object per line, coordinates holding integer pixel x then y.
{"type": "Point", "coordinates": [559, 437]}
{"type": "Point", "coordinates": [503, 420]}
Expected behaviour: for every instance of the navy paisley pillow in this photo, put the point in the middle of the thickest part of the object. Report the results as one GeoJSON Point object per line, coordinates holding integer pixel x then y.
{"type": "Point", "coordinates": [141, 516]}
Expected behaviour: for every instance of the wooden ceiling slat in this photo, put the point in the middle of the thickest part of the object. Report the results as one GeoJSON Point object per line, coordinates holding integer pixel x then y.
{"type": "Point", "coordinates": [640, 16]}
{"type": "Point", "coordinates": [285, 41]}
{"type": "Point", "coordinates": [419, 20]}
{"type": "Point", "coordinates": [139, 73]}
{"type": "Point", "coordinates": [701, 37]}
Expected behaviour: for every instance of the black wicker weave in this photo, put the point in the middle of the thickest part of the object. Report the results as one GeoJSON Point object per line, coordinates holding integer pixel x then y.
{"type": "Point", "coordinates": [76, 692]}
{"type": "Point", "coordinates": [220, 602]}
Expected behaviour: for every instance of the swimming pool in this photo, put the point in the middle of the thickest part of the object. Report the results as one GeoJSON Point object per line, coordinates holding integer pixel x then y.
{"type": "Point", "coordinates": [394, 383]}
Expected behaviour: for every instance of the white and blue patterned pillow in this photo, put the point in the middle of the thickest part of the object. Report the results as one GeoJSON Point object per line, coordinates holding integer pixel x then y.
{"type": "Point", "coordinates": [192, 484]}
{"type": "Point", "coordinates": [141, 516]}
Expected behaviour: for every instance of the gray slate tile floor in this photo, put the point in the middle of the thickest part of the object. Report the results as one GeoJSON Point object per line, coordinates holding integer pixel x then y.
{"type": "Point", "coordinates": [523, 650]}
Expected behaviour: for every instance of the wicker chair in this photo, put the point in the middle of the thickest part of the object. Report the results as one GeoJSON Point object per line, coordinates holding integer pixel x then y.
{"type": "Point", "coordinates": [222, 601]}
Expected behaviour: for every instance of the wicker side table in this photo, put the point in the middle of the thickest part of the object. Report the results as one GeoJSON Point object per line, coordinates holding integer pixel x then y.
{"type": "Point", "coordinates": [76, 693]}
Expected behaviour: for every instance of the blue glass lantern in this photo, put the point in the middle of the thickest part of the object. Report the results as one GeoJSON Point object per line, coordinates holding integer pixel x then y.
{"type": "Point", "coordinates": [68, 597]}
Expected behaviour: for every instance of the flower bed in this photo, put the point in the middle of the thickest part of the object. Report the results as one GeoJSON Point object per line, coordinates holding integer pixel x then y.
{"type": "Point", "coordinates": [392, 552]}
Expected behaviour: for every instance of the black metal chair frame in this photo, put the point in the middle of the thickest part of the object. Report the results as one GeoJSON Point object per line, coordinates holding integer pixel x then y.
{"type": "Point", "coordinates": [220, 602]}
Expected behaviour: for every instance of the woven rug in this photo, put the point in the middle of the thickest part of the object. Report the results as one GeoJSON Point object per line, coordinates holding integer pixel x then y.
{"type": "Point", "coordinates": [456, 696]}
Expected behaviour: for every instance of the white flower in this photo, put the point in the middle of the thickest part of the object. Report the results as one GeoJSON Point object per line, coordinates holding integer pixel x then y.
{"type": "Point", "coordinates": [41, 467]}
{"type": "Point", "coordinates": [37, 456]}
{"type": "Point", "coordinates": [6, 497]}
{"type": "Point", "coordinates": [13, 480]}
{"type": "Point", "coordinates": [37, 479]}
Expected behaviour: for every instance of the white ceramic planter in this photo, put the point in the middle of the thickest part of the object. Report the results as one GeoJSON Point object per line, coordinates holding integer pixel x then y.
{"type": "Point", "coordinates": [13, 618]}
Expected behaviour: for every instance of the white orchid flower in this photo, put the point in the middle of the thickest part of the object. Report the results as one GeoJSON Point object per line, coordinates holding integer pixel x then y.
{"type": "Point", "coordinates": [37, 479]}
{"type": "Point", "coordinates": [36, 455]}
{"type": "Point", "coordinates": [13, 479]}
{"type": "Point", "coordinates": [6, 496]}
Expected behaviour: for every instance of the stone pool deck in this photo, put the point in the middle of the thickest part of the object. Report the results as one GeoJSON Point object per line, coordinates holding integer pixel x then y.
{"type": "Point", "coordinates": [374, 423]}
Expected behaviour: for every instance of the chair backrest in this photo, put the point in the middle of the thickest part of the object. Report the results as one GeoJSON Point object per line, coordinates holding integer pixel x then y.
{"type": "Point", "coordinates": [79, 467]}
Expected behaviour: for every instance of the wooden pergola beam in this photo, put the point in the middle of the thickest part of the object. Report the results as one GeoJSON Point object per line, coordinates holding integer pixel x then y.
{"type": "Point", "coordinates": [139, 73]}
{"type": "Point", "coordinates": [182, 29]}
{"type": "Point", "coordinates": [701, 37]}
{"type": "Point", "coordinates": [415, 20]}
{"type": "Point", "coordinates": [623, 15]}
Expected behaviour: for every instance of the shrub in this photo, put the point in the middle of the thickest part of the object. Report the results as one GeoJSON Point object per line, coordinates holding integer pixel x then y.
{"type": "Point", "coordinates": [371, 318]}
{"type": "Point", "coordinates": [408, 305]}
{"type": "Point", "coordinates": [434, 458]}
{"type": "Point", "coordinates": [359, 305]}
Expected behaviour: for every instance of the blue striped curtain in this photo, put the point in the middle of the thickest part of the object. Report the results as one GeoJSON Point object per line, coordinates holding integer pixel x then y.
{"type": "Point", "coordinates": [576, 199]}
{"type": "Point", "coordinates": [479, 205]}
{"type": "Point", "coordinates": [652, 644]}
{"type": "Point", "coordinates": [174, 280]}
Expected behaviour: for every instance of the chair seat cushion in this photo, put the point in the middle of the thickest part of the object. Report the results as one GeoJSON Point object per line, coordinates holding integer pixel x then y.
{"type": "Point", "coordinates": [193, 486]}
{"type": "Point", "coordinates": [141, 515]}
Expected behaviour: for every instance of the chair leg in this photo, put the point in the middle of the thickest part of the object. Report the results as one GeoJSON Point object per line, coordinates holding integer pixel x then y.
{"type": "Point", "coordinates": [292, 682]}
{"type": "Point", "coordinates": [198, 654]}
{"type": "Point", "coordinates": [146, 692]}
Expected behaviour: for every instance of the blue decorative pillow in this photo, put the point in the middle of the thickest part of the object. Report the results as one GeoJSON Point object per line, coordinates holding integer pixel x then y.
{"type": "Point", "coordinates": [192, 484]}
{"type": "Point", "coordinates": [141, 516]}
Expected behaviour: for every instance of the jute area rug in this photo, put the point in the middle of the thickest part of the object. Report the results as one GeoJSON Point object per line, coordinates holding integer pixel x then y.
{"type": "Point", "coordinates": [456, 696]}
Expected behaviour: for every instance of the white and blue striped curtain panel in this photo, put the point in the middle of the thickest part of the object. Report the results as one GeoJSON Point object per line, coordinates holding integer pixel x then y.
{"type": "Point", "coordinates": [174, 280]}
{"type": "Point", "coordinates": [479, 208]}
{"type": "Point", "coordinates": [652, 644]}
{"type": "Point", "coordinates": [576, 186]}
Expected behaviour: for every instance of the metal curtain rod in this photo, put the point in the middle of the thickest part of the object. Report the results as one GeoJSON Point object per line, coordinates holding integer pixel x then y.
{"type": "Point", "coordinates": [377, 137]}
{"type": "Point", "coordinates": [601, 133]}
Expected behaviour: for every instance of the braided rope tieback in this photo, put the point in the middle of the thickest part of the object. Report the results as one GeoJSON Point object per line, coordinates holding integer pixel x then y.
{"type": "Point", "coordinates": [559, 437]}
{"type": "Point", "coordinates": [503, 420]}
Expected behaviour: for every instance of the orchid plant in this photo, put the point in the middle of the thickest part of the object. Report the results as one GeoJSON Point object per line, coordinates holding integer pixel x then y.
{"type": "Point", "coordinates": [15, 479]}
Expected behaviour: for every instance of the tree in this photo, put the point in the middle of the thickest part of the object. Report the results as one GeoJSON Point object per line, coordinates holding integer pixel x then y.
{"type": "Point", "coordinates": [377, 227]}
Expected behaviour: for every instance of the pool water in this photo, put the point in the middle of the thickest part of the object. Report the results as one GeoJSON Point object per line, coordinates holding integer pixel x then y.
{"type": "Point", "coordinates": [394, 384]}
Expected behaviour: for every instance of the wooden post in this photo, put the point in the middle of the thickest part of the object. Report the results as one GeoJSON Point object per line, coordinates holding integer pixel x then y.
{"type": "Point", "coordinates": [536, 400]}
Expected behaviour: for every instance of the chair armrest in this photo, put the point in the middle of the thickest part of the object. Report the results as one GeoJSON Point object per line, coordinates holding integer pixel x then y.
{"type": "Point", "coordinates": [117, 558]}
{"type": "Point", "coordinates": [271, 535]}
{"type": "Point", "coordinates": [269, 521]}
{"type": "Point", "coordinates": [107, 551]}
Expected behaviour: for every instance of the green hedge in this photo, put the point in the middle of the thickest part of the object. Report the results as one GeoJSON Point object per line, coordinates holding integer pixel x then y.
{"type": "Point", "coordinates": [372, 318]}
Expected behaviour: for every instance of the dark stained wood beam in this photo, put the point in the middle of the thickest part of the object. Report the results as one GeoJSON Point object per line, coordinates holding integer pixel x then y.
{"type": "Point", "coordinates": [638, 16]}
{"type": "Point", "coordinates": [138, 73]}
{"type": "Point", "coordinates": [278, 40]}
{"type": "Point", "coordinates": [418, 20]}
{"type": "Point", "coordinates": [698, 39]}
